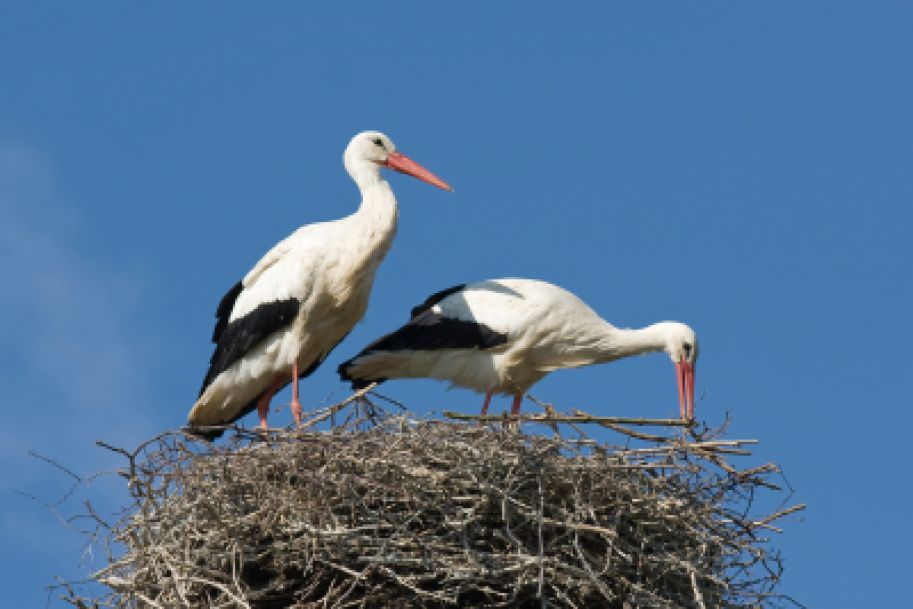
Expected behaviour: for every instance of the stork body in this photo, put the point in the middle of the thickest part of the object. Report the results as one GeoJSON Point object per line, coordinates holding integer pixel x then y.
{"type": "Point", "coordinates": [504, 335]}
{"type": "Point", "coordinates": [301, 299]}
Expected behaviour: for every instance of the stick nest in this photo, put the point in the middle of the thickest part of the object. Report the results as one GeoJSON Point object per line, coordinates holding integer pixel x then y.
{"type": "Point", "coordinates": [426, 513]}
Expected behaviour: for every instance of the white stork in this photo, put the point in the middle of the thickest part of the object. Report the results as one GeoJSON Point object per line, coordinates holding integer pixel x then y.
{"type": "Point", "coordinates": [504, 335]}
{"type": "Point", "coordinates": [300, 300]}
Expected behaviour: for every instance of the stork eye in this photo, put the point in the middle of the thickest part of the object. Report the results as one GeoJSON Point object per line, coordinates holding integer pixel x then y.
{"type": "Point", "coordinates": [687, 348]}
{"type": "Point", "coordinates": [379, 142]}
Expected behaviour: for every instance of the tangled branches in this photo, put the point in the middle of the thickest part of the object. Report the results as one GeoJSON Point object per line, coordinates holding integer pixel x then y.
{"type": "Point", "coordinates": [433, 514]}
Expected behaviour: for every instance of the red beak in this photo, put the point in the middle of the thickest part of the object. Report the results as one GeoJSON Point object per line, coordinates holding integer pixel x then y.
{"type": "Point", "coordinates": [400, 162]}
{"type": "Point", "coordinates": [684, 372]}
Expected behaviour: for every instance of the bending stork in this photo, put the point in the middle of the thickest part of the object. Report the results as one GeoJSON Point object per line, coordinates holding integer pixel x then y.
{"type": "Point", "coordinates": [504, 335]}
{"type": "Point", "coordinates": [300, 300]}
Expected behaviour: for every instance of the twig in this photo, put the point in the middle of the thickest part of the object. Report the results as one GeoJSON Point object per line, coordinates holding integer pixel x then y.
{"type": "Point", "coordinates": [536, 418]}
{"type": "Point", "coordinates": [778, 515]}
{"type": "Point", "coordinates": [698, 597]}
{"type": "Point", "coordinates": [331, 410]}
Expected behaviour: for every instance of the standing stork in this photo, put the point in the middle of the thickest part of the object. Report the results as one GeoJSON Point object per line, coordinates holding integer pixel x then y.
{"type": "Point", "coordinates": [300, 300]}
{"type": "Point", "coordinates": [504, 335]}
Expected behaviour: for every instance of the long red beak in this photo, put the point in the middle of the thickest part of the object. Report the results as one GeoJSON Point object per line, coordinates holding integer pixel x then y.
{"type": "Point", "coordinates": [400, 162]}
{"type": "Point", "coordinates": [684, 372]}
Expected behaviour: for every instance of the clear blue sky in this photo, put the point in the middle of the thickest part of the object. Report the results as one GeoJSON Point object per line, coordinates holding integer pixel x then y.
{"type": "Point", "coordinates": [743, 167]}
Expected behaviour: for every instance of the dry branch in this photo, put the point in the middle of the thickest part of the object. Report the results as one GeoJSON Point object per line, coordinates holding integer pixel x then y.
{"type": "Point", "coordinates": [575, 418]}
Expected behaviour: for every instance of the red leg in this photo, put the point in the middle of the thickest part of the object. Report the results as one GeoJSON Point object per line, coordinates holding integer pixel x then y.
{"type": "Point", "coordinates": [262, 410]}
{"type": "Point", "coordinates": [487, 402]}
{"type": "Point", "coordinates": [296, 404]}
{"type": "Point", "coordinates": [266, 398]}
{"type": "Point", "coordinates": [515, 407]}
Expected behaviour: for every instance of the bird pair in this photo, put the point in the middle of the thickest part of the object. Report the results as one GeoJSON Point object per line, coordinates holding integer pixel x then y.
{"type": "Point", "coordinates": [282, 320]}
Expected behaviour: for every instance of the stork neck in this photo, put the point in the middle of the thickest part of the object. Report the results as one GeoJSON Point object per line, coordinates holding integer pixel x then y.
{"type": "Point", "coordinates": [371, 229]}
{"type": "Point", "coordinates": [617, 343]}
{"type": "Point", "coordinates": [366, 174]}
{"type": "Point", "coordinates": [378, 205]}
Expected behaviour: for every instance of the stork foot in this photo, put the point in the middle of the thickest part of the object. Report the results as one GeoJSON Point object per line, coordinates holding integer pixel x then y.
{"type": "Point", "coordinates": [515, 412]}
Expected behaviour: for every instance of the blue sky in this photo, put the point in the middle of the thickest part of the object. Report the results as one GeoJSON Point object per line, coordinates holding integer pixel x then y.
{"type": "Point", "coordinates": [742, 167]}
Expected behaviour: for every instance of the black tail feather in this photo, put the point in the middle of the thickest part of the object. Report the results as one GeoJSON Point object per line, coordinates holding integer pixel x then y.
{"type": "Point", "coordinates": [206, 432]}
{"type": "Point", "coordinates": [357, 383]}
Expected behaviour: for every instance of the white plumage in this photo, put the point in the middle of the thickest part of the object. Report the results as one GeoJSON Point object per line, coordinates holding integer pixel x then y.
{"type": "Point", "coordinates": [504, 335]}
{"type": "Point", "coordinates": [303, 297]}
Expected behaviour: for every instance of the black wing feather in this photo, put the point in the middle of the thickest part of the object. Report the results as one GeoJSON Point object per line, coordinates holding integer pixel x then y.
{"type": "Point", "coordinates": [223, 311]}
{"type": "Point", "coordinates": [428, 331]}
{"type": "Point", "coordinates": [240, 336]}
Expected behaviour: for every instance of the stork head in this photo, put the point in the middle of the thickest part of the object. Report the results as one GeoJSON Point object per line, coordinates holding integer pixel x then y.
{"type": "Point", "coordinates": [681, 345]}
{"type": "Point", "coordinates": [370, 150]}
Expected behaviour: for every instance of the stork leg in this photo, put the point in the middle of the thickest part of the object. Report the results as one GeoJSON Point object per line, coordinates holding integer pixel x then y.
{"type": "Point", "coordinates": [296, 404]}
{"type": "Point", "coordinates": [487, 402]}
{"type": "Point", "coordinates": [265, 398]}
{"type": "Point", "coordinates": [515, 411]}
{"type": "Point", "coordinates": [515, 407]}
